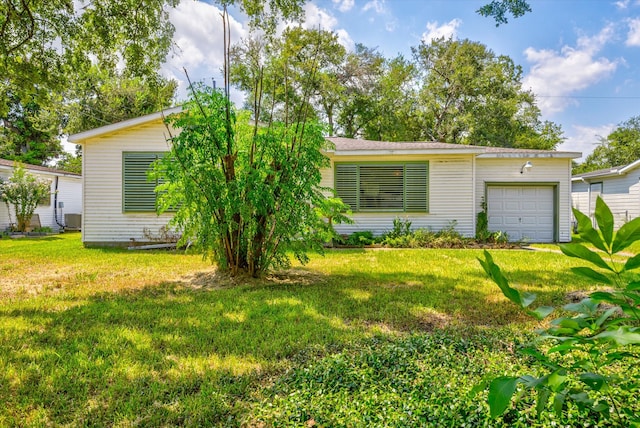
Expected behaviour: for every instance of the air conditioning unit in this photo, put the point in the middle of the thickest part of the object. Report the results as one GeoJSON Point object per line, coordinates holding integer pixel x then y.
{"type": "Point", "coordinates": [72, 221]}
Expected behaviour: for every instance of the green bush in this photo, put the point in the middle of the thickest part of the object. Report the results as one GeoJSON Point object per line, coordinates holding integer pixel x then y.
{"type": "Point", "coordinates": [580, 356]}
{"type": "Point", "coordinates": [360, 239]}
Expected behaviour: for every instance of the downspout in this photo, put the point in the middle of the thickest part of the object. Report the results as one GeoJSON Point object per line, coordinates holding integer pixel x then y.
{"type": "Point", "coordinates": [55, 204]}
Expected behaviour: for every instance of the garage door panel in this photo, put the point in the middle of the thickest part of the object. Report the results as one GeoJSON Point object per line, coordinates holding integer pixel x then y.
{"type": "Point", "coordinates": [523, 212]}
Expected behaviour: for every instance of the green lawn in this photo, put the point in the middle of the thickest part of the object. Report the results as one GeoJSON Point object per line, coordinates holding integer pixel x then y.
{"type": "Point", "coordinates": [110, 337]}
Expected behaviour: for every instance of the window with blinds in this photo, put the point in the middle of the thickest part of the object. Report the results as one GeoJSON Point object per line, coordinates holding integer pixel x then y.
{"type": "Point", "coordinates": [397, 187]}
{"type": "Point", "coordinates": [138, 190]}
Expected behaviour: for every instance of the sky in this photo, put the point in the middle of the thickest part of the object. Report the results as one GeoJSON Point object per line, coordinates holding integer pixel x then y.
{"type": "Point", "coordinates": [581, 58]}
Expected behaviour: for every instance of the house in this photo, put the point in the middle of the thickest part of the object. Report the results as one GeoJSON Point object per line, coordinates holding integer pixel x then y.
{"type": "Point", "coordinates": [619, 187]}
{"type": "Point", "coordinates": [64, 204]}
{"type": "Point", "coordinates": [433, 185]}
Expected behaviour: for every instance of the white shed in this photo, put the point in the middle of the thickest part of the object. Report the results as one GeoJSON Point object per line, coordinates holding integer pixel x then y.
{"type": "Point", "coordinates": [65, 199]}
{"type": "Point", "coordinates": [433, 185]}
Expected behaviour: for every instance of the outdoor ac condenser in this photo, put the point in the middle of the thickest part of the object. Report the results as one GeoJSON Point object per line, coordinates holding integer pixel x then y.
{"type": "Point", "coordinates": [72, 221]}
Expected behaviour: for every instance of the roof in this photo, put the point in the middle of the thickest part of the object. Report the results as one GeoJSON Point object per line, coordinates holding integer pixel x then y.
{"type": "Point", "coordinates": [351, 146]}
{"type": "Point", "coordinates": [9, 164]}
{"type": "Point", "coordinates": [607, 172]}
{"type": "Point", "coordinates": [80, 137]}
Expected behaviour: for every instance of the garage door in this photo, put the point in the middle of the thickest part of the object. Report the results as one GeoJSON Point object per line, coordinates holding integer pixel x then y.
{"type": "Point", "coordinates": [524, 213]}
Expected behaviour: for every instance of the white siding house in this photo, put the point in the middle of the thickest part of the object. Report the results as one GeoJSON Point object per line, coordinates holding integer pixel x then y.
{"type": "Point", "coordinates": [65, 198]}
{"type": "Point", "coordinates": [619, 187]}
{"type": "Point", "coordinates": [433, 185]}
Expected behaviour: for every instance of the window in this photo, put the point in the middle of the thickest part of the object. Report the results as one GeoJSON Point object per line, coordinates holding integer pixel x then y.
{"type": "Point", "coordinates": [138, 191]}
{"type": "Point", "coordinates": [373, 187]}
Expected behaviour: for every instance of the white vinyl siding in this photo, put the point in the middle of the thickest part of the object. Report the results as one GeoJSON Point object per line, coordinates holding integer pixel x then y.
{"type": "Point", "coordinates": [545, 171]}
{"type": "Point", "coordinates": [138, 194]}
{"type": "Point", "coordinates": [69, 192]}
{"type": "Point", "coordinates": [450, 194]}
{"type": "Point", "coordinates": [621, 193]}
{"type": "Point", "coordinates": [104, 219]}
{"type": "Point", "coordinates": [394, 187]}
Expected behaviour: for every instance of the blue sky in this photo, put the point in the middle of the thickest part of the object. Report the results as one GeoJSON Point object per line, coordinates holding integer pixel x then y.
{"type": "Point", "coordinates": [580, 57]}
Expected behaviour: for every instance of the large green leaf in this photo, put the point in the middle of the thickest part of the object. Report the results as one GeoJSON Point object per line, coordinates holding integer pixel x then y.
{"type": "Point", "coordinates": [587, 232]}
{"type": "Point", "coordinates": [632, 263]}
{"type": "Point", "coordinates": [626, 235]}
{"type": "Point", "coordinates": [604, 218]}
{"type": "Point", "coordinates": [493, 270]}
{"type": "Point", "coordinates": [582, 252]}
{"type": "Point", "coordinates": [543, 399]}
{"type": "Point", "coordinates": [558, 402]}
{"type": "Point", "coordinates": [591, 274]}
{"type": "Point", "coordinates": [501, 390]}
{"type": "Point", "coordinates": [593, 380]}
{"type": "Point", "coordinates": [542, 312]}
{"type": "Point", "coordinates": [622, 336]}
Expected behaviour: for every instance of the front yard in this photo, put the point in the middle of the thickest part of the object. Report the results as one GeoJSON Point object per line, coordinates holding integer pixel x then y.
{"type": "Point", "coordinates": [110, 337]}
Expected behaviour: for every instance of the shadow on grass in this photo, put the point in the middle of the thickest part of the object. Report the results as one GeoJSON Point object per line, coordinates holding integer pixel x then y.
{"type": "Point", "coordinates": [195, 353]}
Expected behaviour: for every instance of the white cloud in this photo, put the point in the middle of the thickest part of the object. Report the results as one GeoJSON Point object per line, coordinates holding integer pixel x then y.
{"type": "Point", "coordinates": [622, 4]}
{"type": "Point", "coordinates": [376, 5]}
{"type": "Point", "coordinates": [199, 39]}
{"type": "Point", "coordinates": [633, 37]}
{"type": "Point", "coordinates": [585, 139]}
{"type": "Point", "coordinates": [318, 18]}
{"type": "Point", "coordinates": [558, 74]}
{"type": "Point", "coordinates": [435, 31]}
{"type": "Point", "coordinates": [344, 5]}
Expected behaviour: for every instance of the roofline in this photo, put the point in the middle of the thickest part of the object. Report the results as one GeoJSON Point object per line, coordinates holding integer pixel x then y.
{"type": "Point", "coordinates": [439, 151]}
{"type": "Point", "coordinates": [41, 169]}
{"type": "Point", "coordinates": [608, 173]}
{"type": "Point", "coordinates": [524, 154]}
{"type": "Point", "coordinates": [80, 137]}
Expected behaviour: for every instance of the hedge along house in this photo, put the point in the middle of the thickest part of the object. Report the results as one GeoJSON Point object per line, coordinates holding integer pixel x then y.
{"type": "Point", "coordinates": [62, 209]}
{"type": "Point", "coordinates": [619, 187]}
{"type": "Point", "coordinates": [433, 185]}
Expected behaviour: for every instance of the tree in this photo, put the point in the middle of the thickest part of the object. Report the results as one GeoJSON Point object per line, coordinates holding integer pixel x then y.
{"type": "Point", "coordinates": [469, 95]}
{"type": "Point", "coordinates": [620, 147]}
{"type": "Point", "coordinates": [500, 9]}
{"type": "Point", "coordinates": [24, 191]}
{"type": "Point", "coordinates": [246, 190]}
{"type": "Point", "coordinates": [104, 96]}
{"type": "Point", "coordinates": [24, 136]}
{"type": "Point", "coordinates": [378, 99]}
{"type": "Point", "coordinates": [47, 46]}
{"type": "Point", "coordinates": [245, 193]}
{"type": "Point", "coordinates": [298, 67]}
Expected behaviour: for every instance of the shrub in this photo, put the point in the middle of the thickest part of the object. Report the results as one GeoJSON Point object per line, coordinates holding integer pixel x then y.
{"type": "Point", "coordinates": [597, 334]}
{"type": "Point", "coordinates": [360, 239]}
{"type": "Point", "coordinates": [24, 191]}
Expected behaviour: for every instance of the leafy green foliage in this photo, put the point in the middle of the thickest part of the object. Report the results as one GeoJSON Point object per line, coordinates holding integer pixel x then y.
{"type": "Point", "coordinates": [245, 193]}
{"type": "Point", "coordinates": [620, 147]}
{"type": "Point", "coordinates": [24, 191]}
{"type": "Point", "coordinates": [49, 55]}
{"type": "Point", "coordinates": [594, 336]}
{"type": "Point", "coordinates": [24, 137]}
{"type": "Point", "coordinates": [500, 9]}
{"type": "Point", "coordinates": [467, 94]}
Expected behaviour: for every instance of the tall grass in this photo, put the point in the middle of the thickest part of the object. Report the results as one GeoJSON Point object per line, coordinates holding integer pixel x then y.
{"type": "Point", "coordinates": [121, 338]}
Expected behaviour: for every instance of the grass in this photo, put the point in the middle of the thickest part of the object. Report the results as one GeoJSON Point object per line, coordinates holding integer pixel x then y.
{"type": "Point", "coordinates": [357, 337]}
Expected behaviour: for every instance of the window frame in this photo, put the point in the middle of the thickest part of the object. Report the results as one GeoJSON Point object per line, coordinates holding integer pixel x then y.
{"type": "Point", "coordinates": [356, 193]}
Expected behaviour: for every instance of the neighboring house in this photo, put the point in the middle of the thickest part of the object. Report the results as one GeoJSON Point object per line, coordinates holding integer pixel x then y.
{"type": "Point", "coordinates": [619, 187]}
{"type": "Point", "coordinates": [433, 185]}
{"type": "Point", "coordinates": [65, 198]}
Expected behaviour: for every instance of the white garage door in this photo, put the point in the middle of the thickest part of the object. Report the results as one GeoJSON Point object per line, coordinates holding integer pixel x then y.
{"type": "Point", "coordinates": [524, 213]}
